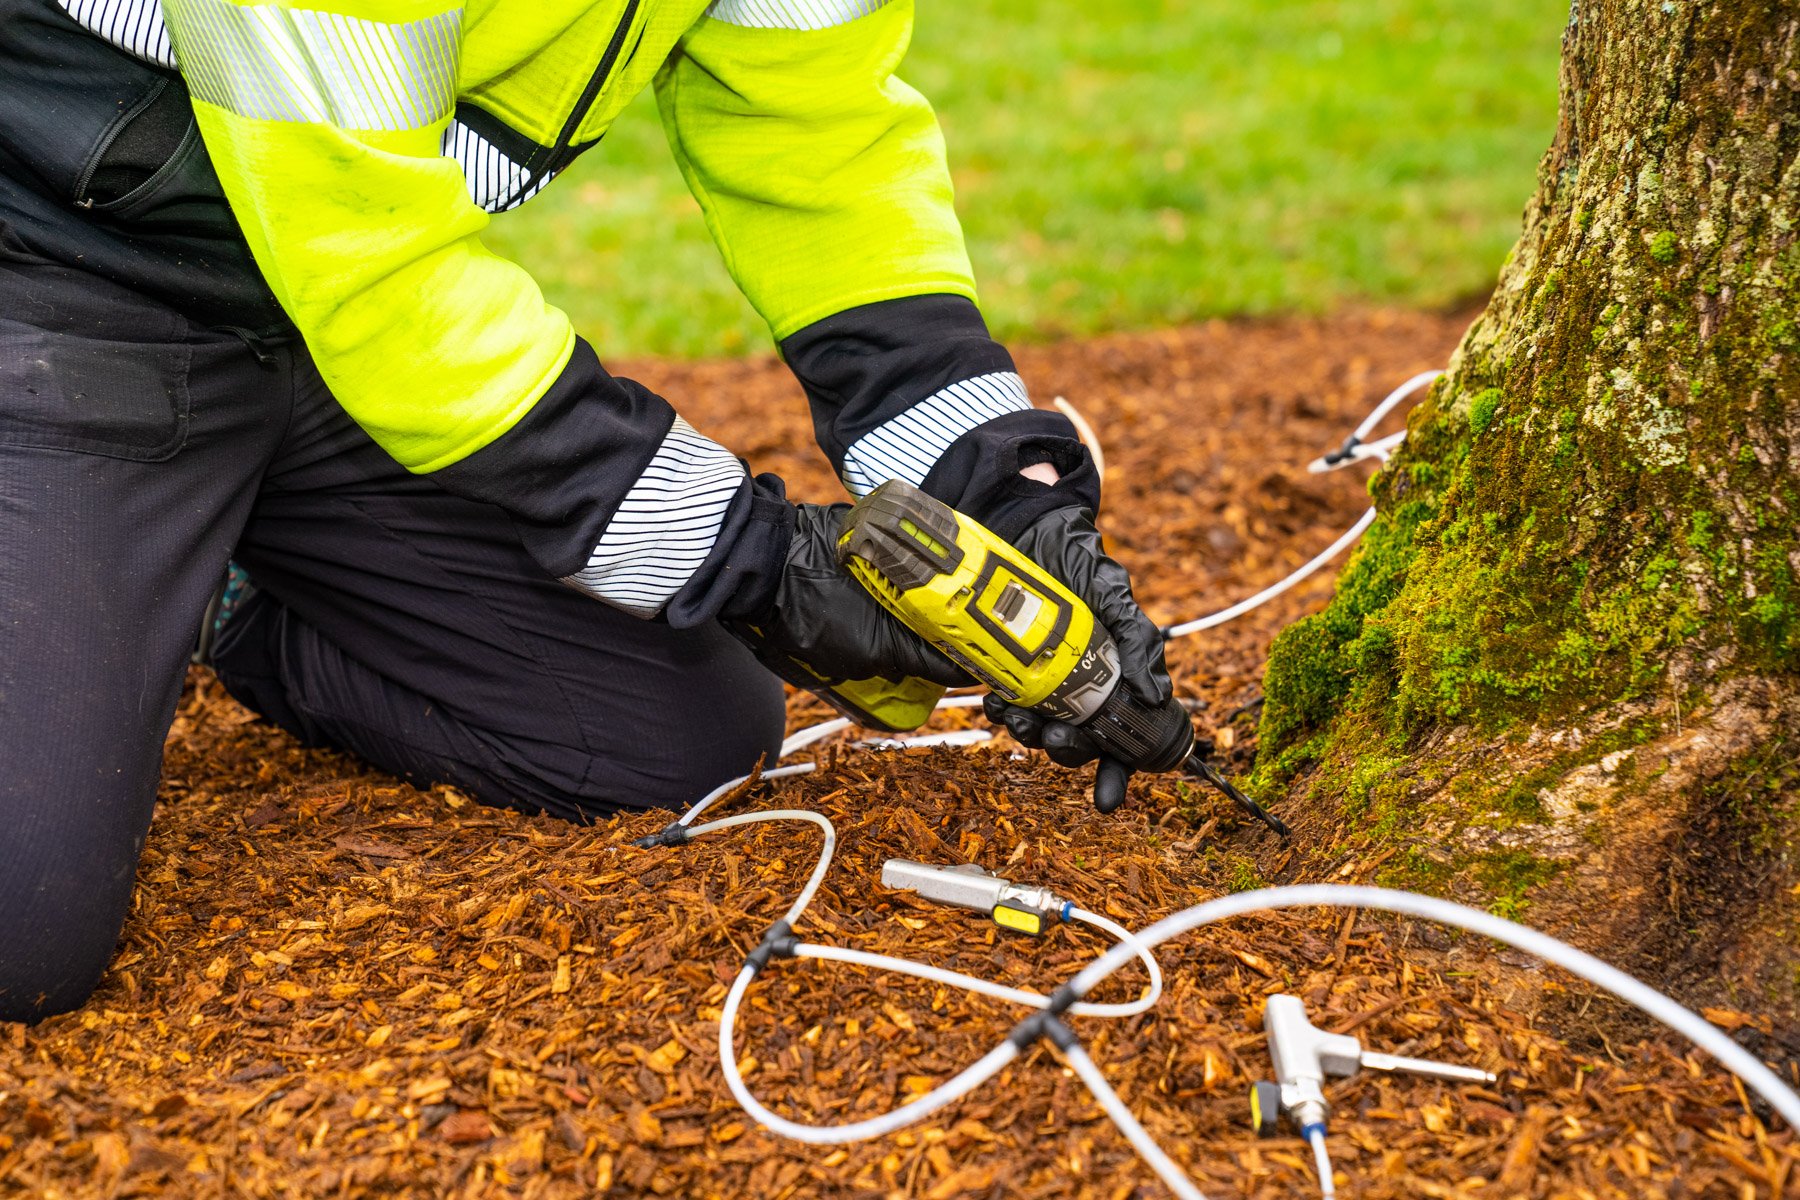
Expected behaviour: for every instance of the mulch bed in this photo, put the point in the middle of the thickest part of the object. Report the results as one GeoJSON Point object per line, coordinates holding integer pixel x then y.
{"type": "Point", "coordinates": [332, 984]}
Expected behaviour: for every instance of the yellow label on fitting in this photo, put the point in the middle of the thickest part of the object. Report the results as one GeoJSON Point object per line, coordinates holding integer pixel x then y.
{"type": "Point", "coordinates": [1024, 920]}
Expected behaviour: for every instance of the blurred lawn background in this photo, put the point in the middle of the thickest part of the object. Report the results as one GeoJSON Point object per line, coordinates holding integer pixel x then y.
{"type": "Point", "coordinates": [1133, 164]}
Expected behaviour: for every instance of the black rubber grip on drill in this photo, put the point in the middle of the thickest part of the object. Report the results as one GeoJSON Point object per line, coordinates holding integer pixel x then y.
{"type": "Point", "coordinates": [1143, 738]}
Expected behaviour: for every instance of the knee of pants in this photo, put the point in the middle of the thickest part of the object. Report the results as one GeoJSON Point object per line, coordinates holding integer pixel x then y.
{"type": "Point", "coordinates": [654, 763]}
{"type": "Point", "coordinates": [730, 736]}
{"type": "Point", "coordinates": [46, 972]}
{"type": "Point", "coordinates": [662, 751]}
{"type": "Point", "coordinates": [658, 730]}
{"type": "Point", "coordinates": [68, 864]}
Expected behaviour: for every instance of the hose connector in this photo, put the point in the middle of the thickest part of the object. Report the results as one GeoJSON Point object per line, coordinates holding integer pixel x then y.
{"type": "Point", "coordinates": [672, 834]}
{"type": "Point", "coordinates": [1343, 453]}
{"type": "Point", "coordinates": [1041, 1024]}
{"type": "Point", "coordinates": [778, 942]}
{"type": "Point", "coordinates": [1022, 909]}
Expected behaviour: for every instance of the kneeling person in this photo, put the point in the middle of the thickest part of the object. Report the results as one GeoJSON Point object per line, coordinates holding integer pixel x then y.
{"type": "Point", "coordinates": [246, 314]}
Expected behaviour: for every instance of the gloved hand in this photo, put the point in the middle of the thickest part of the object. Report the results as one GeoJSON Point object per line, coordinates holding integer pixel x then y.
{"type": "Point", "coordinates": [1065, 543]}
{"type": "Point", "coordinates": [827, 620]}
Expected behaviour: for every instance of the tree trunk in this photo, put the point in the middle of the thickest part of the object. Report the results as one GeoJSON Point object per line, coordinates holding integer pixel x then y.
{"type": "Point", "coordinates": [1561, 670]}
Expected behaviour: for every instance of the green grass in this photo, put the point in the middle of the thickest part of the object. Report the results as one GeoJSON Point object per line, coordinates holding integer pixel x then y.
{"type": "Point", "coordinates": [1168, 161]}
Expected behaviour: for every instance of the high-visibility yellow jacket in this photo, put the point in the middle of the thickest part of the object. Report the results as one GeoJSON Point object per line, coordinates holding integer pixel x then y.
{"type": "Point", "coordinates": [363, 144]}
{"type": "Point", "coordinates": [821, 174]}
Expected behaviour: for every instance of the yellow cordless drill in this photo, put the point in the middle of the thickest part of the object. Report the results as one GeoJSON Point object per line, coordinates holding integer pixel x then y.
{"type": "Point", "coordinates": [1009, 623]}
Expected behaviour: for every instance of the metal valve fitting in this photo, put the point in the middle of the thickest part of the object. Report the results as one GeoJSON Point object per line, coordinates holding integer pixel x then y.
{"type": "Point", "coordinates": [1010, 905]}
{"type": "Point", "coordinates": [1305, 1056]}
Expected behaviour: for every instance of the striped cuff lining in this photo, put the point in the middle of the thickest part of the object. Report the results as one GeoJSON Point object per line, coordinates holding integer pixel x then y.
{"type": "Point", "coordinates": [134, 26]}
{"type": "Point", "coordinates": [666, 525]}
{"type": "Point", "coordinates": [909, 445]}
{"type": "Point", "coordinates": [495, 181]}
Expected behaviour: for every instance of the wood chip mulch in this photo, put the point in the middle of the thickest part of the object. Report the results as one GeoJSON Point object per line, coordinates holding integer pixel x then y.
{"type": "Point", "coordinates": [334, 985]}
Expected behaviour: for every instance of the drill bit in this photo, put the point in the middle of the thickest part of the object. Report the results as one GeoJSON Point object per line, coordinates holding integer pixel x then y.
{"type": "Point", "coordinates": [1205, 770]}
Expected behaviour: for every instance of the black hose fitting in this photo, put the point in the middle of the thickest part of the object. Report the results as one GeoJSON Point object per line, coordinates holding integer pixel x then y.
{"type": "Point", "coordinates": [1042, 1024]}
{"type": "Point", "coordinates": [1061, 1000]}
{"type": "Point", "coordinates": [778, 942]}
{"type": "Point", "coordinates": [672, 834]}
{"type": "Point", "coordinates": [1343, 452]}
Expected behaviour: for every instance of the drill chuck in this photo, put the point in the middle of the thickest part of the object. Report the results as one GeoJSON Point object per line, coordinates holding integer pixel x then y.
{"type": "Point", "coordinates": [1144, 738]}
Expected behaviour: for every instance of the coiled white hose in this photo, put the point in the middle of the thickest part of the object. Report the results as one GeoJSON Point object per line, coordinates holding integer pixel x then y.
{"type": "Point", "coordinates": [954, 1089]}
{"type": "Point", "coordinates": [945, 1093]}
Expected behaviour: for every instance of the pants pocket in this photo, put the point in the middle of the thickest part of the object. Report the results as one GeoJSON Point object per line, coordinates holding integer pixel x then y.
{"type": "Point", "coordinates": [92, 395]}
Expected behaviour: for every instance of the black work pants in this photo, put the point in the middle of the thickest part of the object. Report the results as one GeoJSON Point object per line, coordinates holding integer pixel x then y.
{"type": "Point", "coordinates": [138, 452]}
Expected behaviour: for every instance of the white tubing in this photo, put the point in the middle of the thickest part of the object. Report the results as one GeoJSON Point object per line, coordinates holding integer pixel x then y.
{"type": "Point", "coordinates": [785, 814]}
{"type": "Point", "coordinates": [950, 737]}
{"type": "Point", "coordinates": [725, 789]}
{"type": "Point", "coordinates": [1379, 449]}
{"type": "Point", "coordinates": [1690, 1025]}
{"type": "Point", "coordinates": [1123, 937]}
{"type": "Point", "coordinates": [1336, 461]}
{"type": "Point", "coordinates": [948, 1092]}
{"type": "Point", "coordinates": [803, 738]}
{"type": "Point", "coordinates": [1000, 991]}
{"type": "Point", "coordinates": [1086, 433]}
{"type": "Point", "coordinates": [1135, 1133]}
{"type": "Point", "coordinates": [1269, 593]}
{"type": "Point", "coordinates": [1322, 1160]}
{"type": "Point", "coordinates": [1394, 397]}
{"type": "Point", "coordinates": [800, 739]}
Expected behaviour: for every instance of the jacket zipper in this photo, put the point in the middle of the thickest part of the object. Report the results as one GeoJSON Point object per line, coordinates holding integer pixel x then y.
{"type": "Point", "coordinates": [544, 163]}
{"type": "Point", "coordinates": [591, 92]}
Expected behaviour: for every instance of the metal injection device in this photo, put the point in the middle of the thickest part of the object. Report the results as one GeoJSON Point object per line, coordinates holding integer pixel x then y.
{"type": "Point", "coordinates": [1304, 1055]}
{"type": "Point", "coordinates": [1010, 905]}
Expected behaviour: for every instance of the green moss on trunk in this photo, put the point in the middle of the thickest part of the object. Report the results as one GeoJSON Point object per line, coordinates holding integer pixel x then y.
{"type": "Point", "coordinates": [1599, 503]}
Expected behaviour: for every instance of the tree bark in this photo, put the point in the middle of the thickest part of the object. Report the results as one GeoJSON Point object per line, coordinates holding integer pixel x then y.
{"type": "Point", "coordinates": [1561, 670]}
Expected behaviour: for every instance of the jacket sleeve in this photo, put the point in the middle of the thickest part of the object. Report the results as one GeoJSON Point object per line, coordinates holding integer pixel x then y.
{"type": "Point", "coordinates": [821, 174]}
{"type": "Point", "coordinates": [326, 130]}
{"type": "Point", "coordinates": [823, 180]}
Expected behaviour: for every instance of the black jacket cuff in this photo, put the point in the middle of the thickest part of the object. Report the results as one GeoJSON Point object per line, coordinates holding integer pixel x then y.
{"type": "Point", "coordinates": [979, 474]}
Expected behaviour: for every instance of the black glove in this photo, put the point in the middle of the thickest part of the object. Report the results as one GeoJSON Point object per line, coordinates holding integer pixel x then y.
{"type": "Point", "coordinates": [827, 620]}
{"type": "Point", "coordinates": [1065, 543]}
